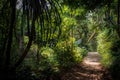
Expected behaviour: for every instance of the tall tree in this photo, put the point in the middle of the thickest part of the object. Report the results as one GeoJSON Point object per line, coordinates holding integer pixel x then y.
{"type": "Point", "coordinates": [36, 12]}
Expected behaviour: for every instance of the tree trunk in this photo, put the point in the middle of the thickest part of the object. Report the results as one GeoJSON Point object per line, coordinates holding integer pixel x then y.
{"type": "Point", "coordinates": [28, 45]}
{"type": "Point", "coordinates": [10, 33]}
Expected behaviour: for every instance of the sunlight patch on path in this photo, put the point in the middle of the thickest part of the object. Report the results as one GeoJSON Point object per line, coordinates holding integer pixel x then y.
{"type": "Point", "coordinates": [89, 69]}
{"type": "Point", "coordinates": [92, 59]}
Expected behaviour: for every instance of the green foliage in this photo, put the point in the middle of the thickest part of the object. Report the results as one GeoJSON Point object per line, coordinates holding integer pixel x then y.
{"type": "Point", "coordinates": [115, 67]}
{"type": "Point", "coordinates": [38, 21]}
{"type": "Point", "coordinates": [53, 60]}
{"type": "Point", "coordinates": [79, 54]}
{"type": "Point", "coordinates": [88, 4]}
{"type": "Point", "coordinates": [105, 41]}
{"type": "Point", "coordinates": [48, 64]}
{"type": "Point", "coordinates": [48, 59]}
{"type": "Point", "coordinates": [26, 73]}
{"type": "Point", "coordinates": [92, 4]}
{"type": "Point", "coordinates": [68, 54]}
{"type": "Point", "coordinates": [65, 54]}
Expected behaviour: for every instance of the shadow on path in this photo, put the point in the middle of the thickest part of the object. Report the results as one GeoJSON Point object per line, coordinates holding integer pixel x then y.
{"type": "Point", "coordinates": [89, 69]}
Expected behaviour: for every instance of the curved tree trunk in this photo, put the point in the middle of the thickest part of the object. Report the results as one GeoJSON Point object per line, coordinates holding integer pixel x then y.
{"type": "Point", "coordinates": [28, 45]}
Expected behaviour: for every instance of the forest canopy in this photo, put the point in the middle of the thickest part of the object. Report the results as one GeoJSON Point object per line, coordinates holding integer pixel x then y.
{"type": "Point", "coordinates": [48, 36]}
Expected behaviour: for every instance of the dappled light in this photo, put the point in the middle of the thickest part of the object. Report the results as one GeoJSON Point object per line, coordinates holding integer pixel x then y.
{"type": "Point", "coordinates": [59, 39]}
{"type": "Point", "coordinates": [88, 70]}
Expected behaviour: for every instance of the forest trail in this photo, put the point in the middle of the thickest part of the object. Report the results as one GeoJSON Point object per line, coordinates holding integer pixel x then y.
{"type": "Point", "coordinates": [89, 69]}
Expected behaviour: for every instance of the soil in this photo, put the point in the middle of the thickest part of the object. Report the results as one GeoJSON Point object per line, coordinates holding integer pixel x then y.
{"type": "Point", "coordinates": [89, 69]}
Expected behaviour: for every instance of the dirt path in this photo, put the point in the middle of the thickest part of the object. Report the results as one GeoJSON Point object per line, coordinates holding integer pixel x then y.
{"type": "Point", "coordinates": [90, 69]}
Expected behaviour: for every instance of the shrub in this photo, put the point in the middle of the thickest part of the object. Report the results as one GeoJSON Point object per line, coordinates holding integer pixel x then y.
{"type": "Point", "coordinates": [115, 67]}
{"type": "Point", "coordinates": [68, 54]}
{"type": "Point", "coordinates": [79, 54]}
{"type": "Point", "coordinates": [48, 59]}
{"type": "Point", "coordinates": [105, 40]}
{"type": "Point", "coordinates": [52, 60]}
{"type": "Point", "coordinates": [109, 48]}
{"type": "Point", "coordinates": [26, 74]}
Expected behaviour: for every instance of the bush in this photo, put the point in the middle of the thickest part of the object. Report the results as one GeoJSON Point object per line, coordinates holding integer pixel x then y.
{"type": "Point", "coordinates": [105, 40]}
{"type": "Point", "coordinates": [115, 67]}
{"type": "Point", "coordinates": [109, 48]}
{"type": "Point", "coordinates": [26, 74]}
{"type": "Point", "coordinates": [52, 60]}
{"type": "Point", "coordinates": [47, 65]}
{"type": "Point", "coordinates": [68, 54]}
{"type": "Point", "coordinates": [48, 59]}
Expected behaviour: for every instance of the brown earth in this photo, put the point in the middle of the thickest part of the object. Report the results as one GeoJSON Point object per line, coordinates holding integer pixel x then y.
{"type": "Point", "coordinates": [89, 69]}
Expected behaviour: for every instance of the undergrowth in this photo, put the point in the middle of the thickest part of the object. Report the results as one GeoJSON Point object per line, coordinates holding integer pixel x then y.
{"type": "Point", "coordinates": [109, 48]}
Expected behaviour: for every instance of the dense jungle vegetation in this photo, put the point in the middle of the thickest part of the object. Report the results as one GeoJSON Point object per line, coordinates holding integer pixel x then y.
{"type": "Point", "coordinates": [41, 38]}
